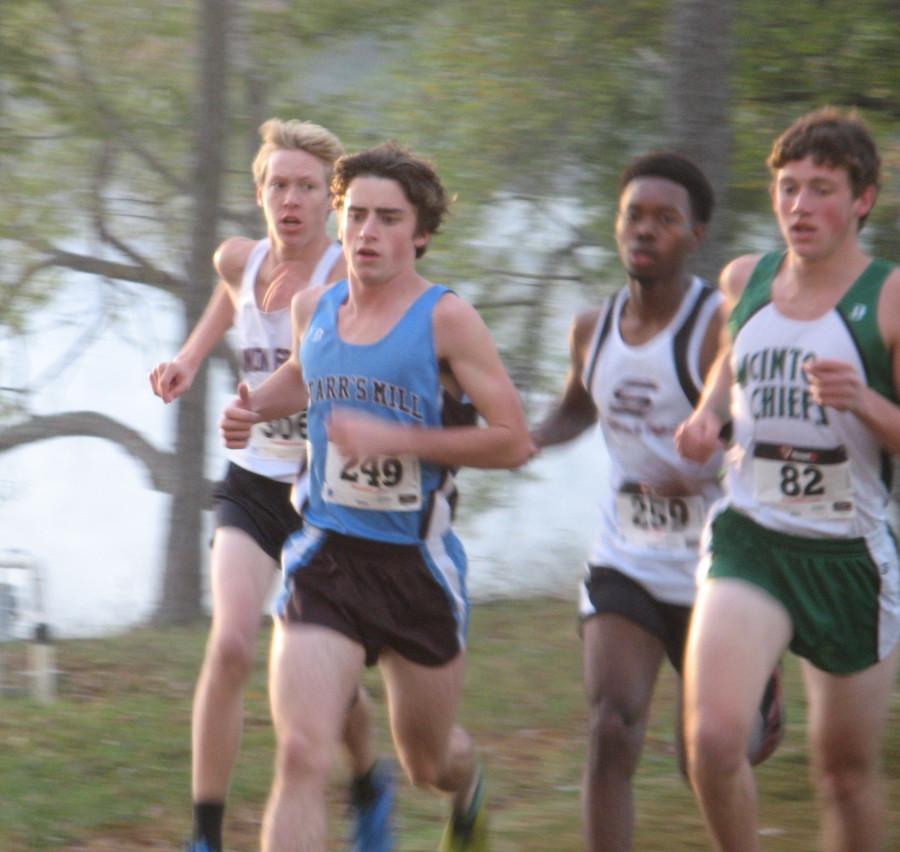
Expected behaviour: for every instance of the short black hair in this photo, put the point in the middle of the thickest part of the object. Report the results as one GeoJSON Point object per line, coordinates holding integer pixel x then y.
{"type": "Point", "coordinates": [678, 169]}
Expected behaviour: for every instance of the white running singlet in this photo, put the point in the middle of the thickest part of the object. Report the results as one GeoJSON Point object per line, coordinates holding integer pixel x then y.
{"type": "Point", "coordinates": [262, 340]}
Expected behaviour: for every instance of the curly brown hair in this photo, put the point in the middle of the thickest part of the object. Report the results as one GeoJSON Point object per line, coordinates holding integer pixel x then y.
{"type": "Point", "coordinates": [417, 177]}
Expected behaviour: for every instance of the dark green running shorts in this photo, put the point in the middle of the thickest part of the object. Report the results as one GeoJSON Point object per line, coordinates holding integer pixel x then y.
{"type": "Point", "coordinates": [830, 587]}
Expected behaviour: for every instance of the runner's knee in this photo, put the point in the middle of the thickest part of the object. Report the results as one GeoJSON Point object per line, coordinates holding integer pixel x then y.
{"type": "Point", "coordinates": [300, 755]}
{"type": "Point", "coordinates": [841, 778]}
{"type": "Point", "coordinates": [422, 769]}
{"type": "Point", "coordinates": [614, 736]}
{"type": "Point", "coordinates": [232, 654]}
{"type": "Point", "coordinates": [716, 742]}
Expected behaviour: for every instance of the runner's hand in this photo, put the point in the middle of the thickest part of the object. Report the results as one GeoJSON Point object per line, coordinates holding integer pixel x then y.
{"type": "Point", "coordinates": [170, 379]}
{"type": "Point", "coordinates": [836, 384]}
{"type": "Point", "coordinates": [357, 435]}
{"type": "Point", "coordinates": [238, 419]}
{"type": "Point", "coordinates": [697, 438]}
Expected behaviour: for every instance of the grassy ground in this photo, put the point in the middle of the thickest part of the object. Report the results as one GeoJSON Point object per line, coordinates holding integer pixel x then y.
{"type": "Point", "coordinates": [107, 766]}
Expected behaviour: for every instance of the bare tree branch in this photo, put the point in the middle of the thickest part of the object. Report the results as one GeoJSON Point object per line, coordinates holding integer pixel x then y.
{"type": "Point", "coordinates": [503, 303]}
{"type": "Point", "coordinates": [105, 160]}
{"type": "Point", "coordinates": [138, 274]}
{"type": "Point", "coordinates": [536, 276]}
{"type": "Point", "coordinates": [10, 291]}
{"type": "Point", "coordinates": [160, 466]}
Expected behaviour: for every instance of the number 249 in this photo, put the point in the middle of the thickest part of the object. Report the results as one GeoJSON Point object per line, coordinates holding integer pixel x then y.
{"type": "Point", "coordinates": [383, 472]}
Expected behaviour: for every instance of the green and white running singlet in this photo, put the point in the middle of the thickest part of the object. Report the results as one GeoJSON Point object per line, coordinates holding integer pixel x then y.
{"type": "Point", "coordinates": [796, 467]}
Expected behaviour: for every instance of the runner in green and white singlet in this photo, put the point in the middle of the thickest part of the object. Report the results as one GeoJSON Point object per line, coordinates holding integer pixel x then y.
{"type": "Point", "coordinates": [798, 552]}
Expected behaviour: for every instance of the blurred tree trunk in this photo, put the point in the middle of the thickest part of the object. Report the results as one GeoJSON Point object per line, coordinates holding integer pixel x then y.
{"type": "Point", "coordinates": [181, 595]}
{"type": "Point", "coordinates": [697, 120]}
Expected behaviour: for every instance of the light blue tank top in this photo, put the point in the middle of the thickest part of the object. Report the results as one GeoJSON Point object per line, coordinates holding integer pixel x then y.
{"type": "Point", "coordinates": [396, 500]}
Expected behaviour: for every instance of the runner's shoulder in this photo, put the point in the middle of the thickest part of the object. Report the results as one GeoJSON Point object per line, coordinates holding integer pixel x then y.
{"type": "Point", "coordinates": [230, 258]}
{"type": "Point", "coordinates": [585, 322]}
{"type": "Point", "coordinates": [889, 307]}
{"type": "Point", "coordinates": [581, 331]}
{"type": "Point", "coordinates": [303, 304]}
{"type": "Point", "coordinates": [735, 275]}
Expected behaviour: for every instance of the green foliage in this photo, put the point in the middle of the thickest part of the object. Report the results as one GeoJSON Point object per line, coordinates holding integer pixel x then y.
{"type": "Point", "coordinates": [523, 91]}
{"type": "Point", "coordinates": [794, 57]}
{"type": "Point", "coordinates": [519, 105]}
{"type": "Point", "coordinates": [530, 97]}
{"type": "Point", "coordinates": [810, 52]}
{"type": "Point", "coordinates": [96, 80]}
{"type": "Point", "coordinates": [529, 108]}
{"type": "Point", "coordinates": [509, 99]}
{"type": "Point", "coordinates": [525, 99]}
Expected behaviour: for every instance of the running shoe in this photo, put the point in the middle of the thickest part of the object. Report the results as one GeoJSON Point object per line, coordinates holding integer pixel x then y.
{"type": "Point", "coordinates": [371, 805]}
{"type": "Point", "coordinates": [468, 831]}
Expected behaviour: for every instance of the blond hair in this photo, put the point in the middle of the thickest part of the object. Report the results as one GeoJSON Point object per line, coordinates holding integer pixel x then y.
{"type": "Point", "coordinates": [295, 135]}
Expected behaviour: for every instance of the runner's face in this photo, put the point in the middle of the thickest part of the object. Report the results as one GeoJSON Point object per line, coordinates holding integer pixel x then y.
{"type": "Point", "coordinates": [378, 229]}
{"type": "Point", "coordinates": [815, 208]}
{"type": "Point", "coordinates": [294, 198]}
{"type": "Point", "coordinates": [655, 231]}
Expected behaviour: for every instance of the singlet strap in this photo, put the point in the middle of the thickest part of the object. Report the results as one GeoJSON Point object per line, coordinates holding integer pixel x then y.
{"type": "Point", "coordinates": [858, 308]}
{"type": "Point", "coordinates": [326, 263]}
{"type": "Point", "coordinates": [427, 300]}
{"type": "Point", "coordinates": [251, 270]}
{"type": "Point", "coordinates": [602, 329]}
{"type": "Point", "coordinates": [681, 344]}
{"type": "Point", "coordinates": [330, 301]}
{"type": "Point", "coordinates": [758, 291]}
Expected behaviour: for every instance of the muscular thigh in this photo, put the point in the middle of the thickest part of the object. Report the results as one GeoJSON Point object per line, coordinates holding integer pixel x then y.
{"type": "Point", "coordinates": [737, 635]}
{"type": "Point", "coordinates": [838, 601]}
{"type": "Point", "coordinates": [621, 662]}
{"type": "Point", "coordinates": [241, 578]}
{"type": "Point", "coordinates": [313, 675]}
{"type": "Point", "coordinates": [847, 714]}
{"type": "Point", "coordinates": [422, 700]}
{"type": "Point", "coordinates": [609, 591]}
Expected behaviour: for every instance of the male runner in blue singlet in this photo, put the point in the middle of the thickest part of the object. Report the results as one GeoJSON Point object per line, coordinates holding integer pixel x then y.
{"type": "Point", "coordinates": [386, 362]}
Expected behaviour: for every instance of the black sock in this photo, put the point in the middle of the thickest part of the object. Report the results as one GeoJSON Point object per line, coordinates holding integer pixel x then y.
{"type": "Point", "coordinates": [362, 789]}
{"type": "Point", "coordinates": [208, 817]}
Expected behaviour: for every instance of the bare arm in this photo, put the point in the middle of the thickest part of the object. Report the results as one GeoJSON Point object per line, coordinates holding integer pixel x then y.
{"type": "Point", "coordinates": [698, 437]}
{"type": "Point", "coordinates": [715, 336]}
{"type": "Point", "coordinates": [838, 385]}
{"type": "Point", "coordinates": [574, 411]}
{"type": "Point", "coordinates": [463, 342]}
{"type": "Point", "coordinates": [170, 379]}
